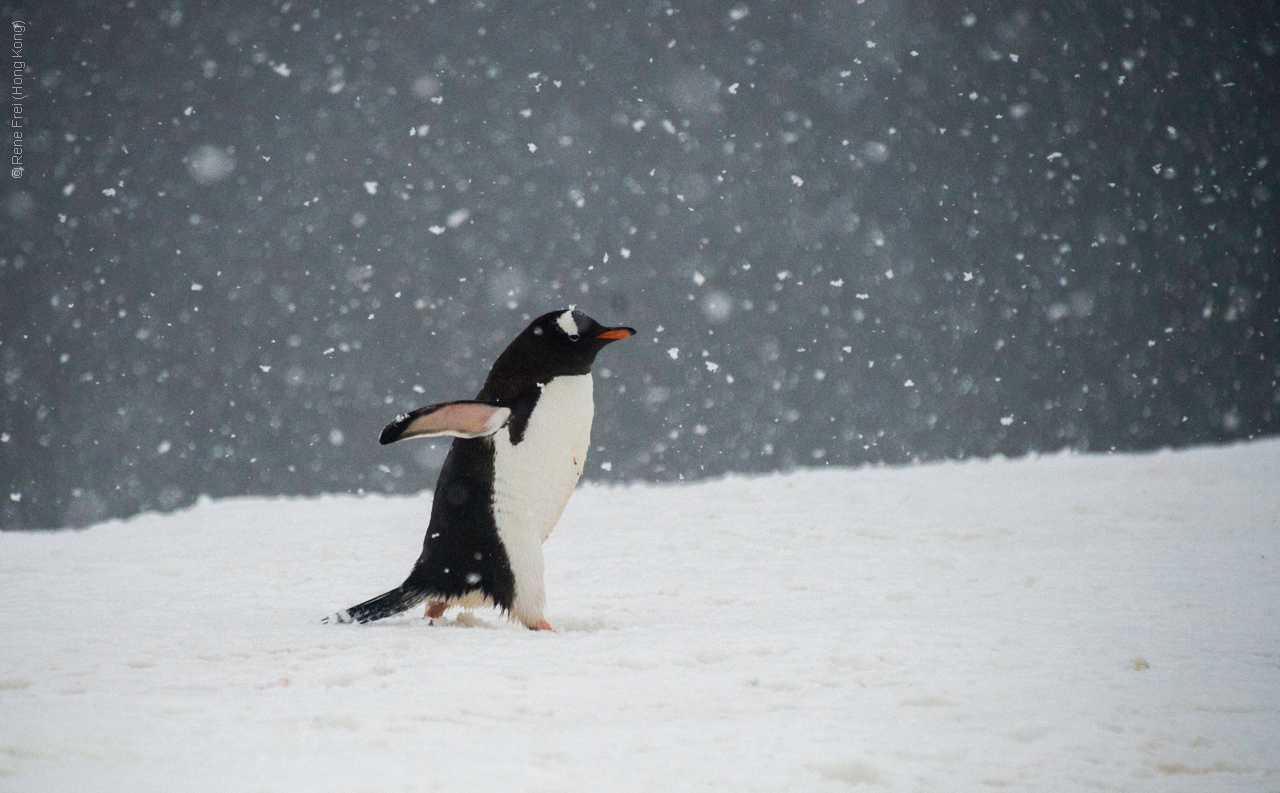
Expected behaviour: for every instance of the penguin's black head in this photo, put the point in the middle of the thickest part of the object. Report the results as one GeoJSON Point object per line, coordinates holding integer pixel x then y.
{"type": "Point", "coordinates": [568, 337]}
{"type": "Point", "coordinates": [559, 343]}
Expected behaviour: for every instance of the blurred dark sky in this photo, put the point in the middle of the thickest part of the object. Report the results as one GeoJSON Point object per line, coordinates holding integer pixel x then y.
{"type": "Point", "coordinates": [248, 235]}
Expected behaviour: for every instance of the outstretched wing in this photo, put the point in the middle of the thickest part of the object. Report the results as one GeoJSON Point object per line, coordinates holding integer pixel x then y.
{"type": "Point", "coordinates": [465, 418]}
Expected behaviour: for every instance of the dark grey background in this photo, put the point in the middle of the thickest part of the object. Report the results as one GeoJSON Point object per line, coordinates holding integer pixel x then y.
{"type": "Point", "coordinates": [250, 234]}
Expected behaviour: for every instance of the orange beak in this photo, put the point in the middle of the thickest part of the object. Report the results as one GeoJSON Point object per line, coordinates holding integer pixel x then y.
{"type": "Point", "coordinates": [616, 333]}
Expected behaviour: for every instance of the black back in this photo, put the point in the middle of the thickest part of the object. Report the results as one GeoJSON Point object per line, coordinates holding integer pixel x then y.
{"type": "Point", "coordinates": [461, 551]}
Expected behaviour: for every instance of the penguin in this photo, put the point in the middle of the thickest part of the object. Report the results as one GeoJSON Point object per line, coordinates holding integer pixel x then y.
{"type": "Point", "coordinates": [519, 448]}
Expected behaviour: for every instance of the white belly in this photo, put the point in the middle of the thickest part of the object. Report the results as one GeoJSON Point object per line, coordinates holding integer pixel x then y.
{"type": "Point", "coordinates": [532, 482]}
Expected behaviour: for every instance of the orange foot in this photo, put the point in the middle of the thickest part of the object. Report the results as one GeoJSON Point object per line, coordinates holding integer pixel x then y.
{"type": "Point", "coordinates": [435, 609]}
{"type": "Point", "coordinates": [543, 626]}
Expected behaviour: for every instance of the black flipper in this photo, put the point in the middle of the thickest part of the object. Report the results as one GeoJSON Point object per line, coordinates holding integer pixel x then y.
{"type": "Point", "coordinates": [464, 418]}
{"type": "Point", "coordinates": [385, 605]}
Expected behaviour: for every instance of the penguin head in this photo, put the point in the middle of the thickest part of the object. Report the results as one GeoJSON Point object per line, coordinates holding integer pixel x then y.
{"type": "Point", "coordinates": [558, 343]}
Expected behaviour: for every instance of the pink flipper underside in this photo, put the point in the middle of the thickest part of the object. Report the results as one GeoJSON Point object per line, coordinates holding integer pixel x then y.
{"type": "Point", "coordinates": [464, 420]}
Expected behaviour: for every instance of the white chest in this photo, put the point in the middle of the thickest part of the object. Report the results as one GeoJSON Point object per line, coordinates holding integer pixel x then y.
{"type": "Point", "coordinates": [534, 479]}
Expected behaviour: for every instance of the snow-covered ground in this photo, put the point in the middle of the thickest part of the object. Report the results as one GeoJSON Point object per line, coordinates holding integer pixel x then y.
{"type": "Point", "coordinates": [1062, 623]}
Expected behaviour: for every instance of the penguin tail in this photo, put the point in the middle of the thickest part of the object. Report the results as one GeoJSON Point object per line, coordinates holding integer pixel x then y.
{"type": "Point", "coordinates": [387, 604]}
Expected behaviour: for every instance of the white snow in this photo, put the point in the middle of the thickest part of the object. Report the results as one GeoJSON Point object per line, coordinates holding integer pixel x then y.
{"type": "Point", "coordinates": [1072, 622]}
{"type": "Point", "coordinates": [209, 164]}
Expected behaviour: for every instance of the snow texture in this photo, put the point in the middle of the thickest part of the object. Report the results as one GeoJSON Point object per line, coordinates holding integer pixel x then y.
{"type": "Point", "coordinates": [1070, 622]}
{"type": "Point", "coordinates": [243, 226]}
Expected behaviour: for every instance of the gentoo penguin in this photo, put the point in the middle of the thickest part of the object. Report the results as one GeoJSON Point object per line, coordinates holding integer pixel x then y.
{"type": "Point", "coordinates": [519, 449]}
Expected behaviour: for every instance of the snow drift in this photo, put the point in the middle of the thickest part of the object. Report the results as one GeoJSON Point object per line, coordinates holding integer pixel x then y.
{"type": "Point", "coordinates": [1061, 623]}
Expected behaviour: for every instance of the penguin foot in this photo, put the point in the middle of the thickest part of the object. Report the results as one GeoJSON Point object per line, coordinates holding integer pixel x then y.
{"type": "Point", "coordinates": [542, 626]}
{"type": "Point", "coordinates": [435, 609]}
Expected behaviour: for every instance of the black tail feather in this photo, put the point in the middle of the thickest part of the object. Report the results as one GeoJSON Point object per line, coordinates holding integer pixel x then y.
{"type": "Point", "coordinates": [385, 605]}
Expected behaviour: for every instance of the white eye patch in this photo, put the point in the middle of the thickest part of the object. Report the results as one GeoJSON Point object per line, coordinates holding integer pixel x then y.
{"type": "Point", "coordinates": [566, 323]}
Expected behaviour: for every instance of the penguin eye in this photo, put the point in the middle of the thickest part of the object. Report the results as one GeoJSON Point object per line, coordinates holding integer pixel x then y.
{"type": "Point", "coordinates": [573, 337]}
